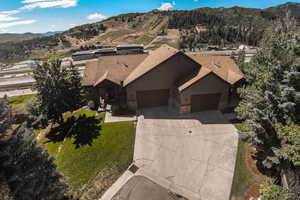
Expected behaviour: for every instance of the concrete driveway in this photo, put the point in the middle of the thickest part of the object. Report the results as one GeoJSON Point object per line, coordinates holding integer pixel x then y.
{"type": "Point", "coordinates": [141, 188]}
{"type": "Point", "coordinates": [191, 155]}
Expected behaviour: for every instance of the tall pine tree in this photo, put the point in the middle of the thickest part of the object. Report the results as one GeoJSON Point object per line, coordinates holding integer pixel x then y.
{"type": "Point", "coordinates": [26, 171]}
{"type": "Point", "coordinates": [270, 105]}
{"type": "Point", "coordinates": [59, 89]}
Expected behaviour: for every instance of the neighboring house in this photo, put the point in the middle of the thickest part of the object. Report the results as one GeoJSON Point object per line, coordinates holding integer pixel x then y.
{"type": "Point", "coordinates": [163, 77]}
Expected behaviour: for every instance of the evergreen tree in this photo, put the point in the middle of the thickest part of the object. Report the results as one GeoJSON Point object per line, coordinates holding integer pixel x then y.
{"type": "Point", "coordinates": [27, 169]}
{"type": "Point", "coordinates": [270, 105]}
{"type": "Point", "coordinates": [5, 122]}
{"type": "Point", "coordinates": [241, 57]}
{"type": "Point", "coordinates": [59, 90]}
{"type": "Point", "coordinates": [5, 116]}
{"type": "Point", "coordinates": [75, 89]}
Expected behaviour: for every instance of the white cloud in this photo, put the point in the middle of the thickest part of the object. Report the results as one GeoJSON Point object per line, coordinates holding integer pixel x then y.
{"type": "Point", "coordinates": [10, 12]}
{"type": "Point", "coordinates": [16, 23]}
{"type": "Point", "coordinates": [96, 16]}
{"type": "Point", "coordinates": [8, 19]}
{"type": "Point", "coordinates": [6, 15]}
{"type": "Point", "coordinates": [33, 1]}
{"type": "Point", "coordinates": [31, 4]}
{"type": "Point", "coordinates": [167, 6]}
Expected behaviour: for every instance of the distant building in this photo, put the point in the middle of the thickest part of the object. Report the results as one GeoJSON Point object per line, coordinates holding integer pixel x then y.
{"type": "Point", "coordinates": [83, 55]}
{"type": "Point", "coordinates": [130, 49]}
{"type": "Point", "coordinates": [106, 51]}
{"type": "Point", "coordinates": [243, 47]}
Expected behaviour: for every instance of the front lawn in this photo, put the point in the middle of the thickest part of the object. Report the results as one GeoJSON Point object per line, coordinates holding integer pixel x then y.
{"type": "Point", "coordinates": [90, 147]}
{"type": "Point", "coordinates": [18, 103]}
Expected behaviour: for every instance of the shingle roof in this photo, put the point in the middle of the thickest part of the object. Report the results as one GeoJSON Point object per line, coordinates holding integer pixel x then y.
{"type": "Point", "coordinates": [128, 68]}
{"type": "Point", "coordinates": [201, 74]}
{"type": "Point", "coordinates": [223, 66]}
{"type": "Point", "coordinates": [114, 68]}
{"type": "Point", "coordinates": [155, 58]}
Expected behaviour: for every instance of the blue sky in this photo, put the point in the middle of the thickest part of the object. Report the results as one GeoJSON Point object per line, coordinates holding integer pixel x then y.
{"type": "Point", "coordinates": [18, 16]}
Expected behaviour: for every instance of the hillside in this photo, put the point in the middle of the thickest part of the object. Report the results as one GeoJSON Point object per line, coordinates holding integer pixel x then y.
{"type": "Point", "coordinates": [14, 37]}
{"type": "Point", "coordinates": [293, 8]}
{"type": "Point", "coordinates": [180, 28]}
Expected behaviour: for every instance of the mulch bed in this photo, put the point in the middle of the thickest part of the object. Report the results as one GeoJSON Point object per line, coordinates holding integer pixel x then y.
{"type": "Point", "coordinates": [253, 190]}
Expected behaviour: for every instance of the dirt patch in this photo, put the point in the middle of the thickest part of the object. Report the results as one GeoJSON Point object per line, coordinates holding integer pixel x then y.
{"type": "Point", "coordinates": [253, 190]}
{"type": "Point", "coordinates": [251, 163]}
{"type": "Point", "coordinates": [43, 134]}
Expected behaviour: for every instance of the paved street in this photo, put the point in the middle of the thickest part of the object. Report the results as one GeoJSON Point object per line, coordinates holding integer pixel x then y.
{"type": "Point", "coordinates": [192, 155]}
{"type": "Point", "coordinates": [13, 93]}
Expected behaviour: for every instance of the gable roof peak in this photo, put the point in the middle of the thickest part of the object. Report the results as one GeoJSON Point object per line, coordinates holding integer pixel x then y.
{"type": "Point", "coordinates": [154, 59]}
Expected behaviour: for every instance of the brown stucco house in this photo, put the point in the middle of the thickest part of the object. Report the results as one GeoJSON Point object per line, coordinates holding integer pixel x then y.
{"type": "Point", "coordinates": [163, 77]}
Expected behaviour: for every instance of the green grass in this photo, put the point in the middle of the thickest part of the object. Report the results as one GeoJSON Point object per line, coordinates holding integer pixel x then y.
{"type": "Point", "coordinates": [112, 35]}
{"type": "Point", "coordinates": [112, 148]}
{"type": "Point", "coordinates": [76, 114]}
{"type": "Point", "coordinates": [19, 103]}
{"type": "Point", "coordinates": [163, 41]}
{"type": "Point", "coordinates": [243, 177]}
{"type": "Point", "coordinates": [143, 39]}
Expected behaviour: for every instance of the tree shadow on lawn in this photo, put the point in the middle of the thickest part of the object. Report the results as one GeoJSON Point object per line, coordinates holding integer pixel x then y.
{"type": "Point", "coordinates": [82, 129]}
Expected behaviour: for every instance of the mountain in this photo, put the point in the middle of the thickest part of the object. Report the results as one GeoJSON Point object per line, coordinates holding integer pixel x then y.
{"type": "Point", "coordinates": [179, 28]}
{"type": "Point", "coordinates": [19, 37]}
{"type": "Point", "coordinates": [293, 8]}
{"type": "Point", "coordinates": [16, 37]}
{"type": "Point", "coordinates": [50, 33]}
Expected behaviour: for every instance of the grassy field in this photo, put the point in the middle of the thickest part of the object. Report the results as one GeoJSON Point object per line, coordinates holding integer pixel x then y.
{"type": "Point", "coordinates": [92, 147]}
{"type": "Point", "coordinates": [143, 39]}
{"type": "Point", "coordinates": [19, 103]}
{"type": "Point", "coordinates": [112, 35]}
{"type": "Point", "coordinates": [163, 41]}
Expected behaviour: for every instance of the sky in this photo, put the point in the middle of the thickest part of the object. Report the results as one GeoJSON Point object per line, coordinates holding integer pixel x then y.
{"type": "Point", "coordinates": [40, 16]}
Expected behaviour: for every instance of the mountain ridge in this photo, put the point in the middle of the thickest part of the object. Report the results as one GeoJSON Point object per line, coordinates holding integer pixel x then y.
{"type": "Point", "coordinates": [217, 26]}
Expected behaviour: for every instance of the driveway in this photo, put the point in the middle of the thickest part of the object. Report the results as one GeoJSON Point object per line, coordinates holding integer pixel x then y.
{"type": "Point", "coordinates": [191, 155]}
{"type": "Point", "coordinates": [141, 188]}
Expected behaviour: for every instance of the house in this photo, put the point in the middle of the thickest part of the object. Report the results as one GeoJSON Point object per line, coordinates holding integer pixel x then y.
{"type": "Point", "coordinates": [163, 77]}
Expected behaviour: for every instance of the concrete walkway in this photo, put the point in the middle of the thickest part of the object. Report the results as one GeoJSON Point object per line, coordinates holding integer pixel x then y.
{"type": "Point", "coordinates": [109, 118]}
{"type": "Point", "coordinates": [191, 155]}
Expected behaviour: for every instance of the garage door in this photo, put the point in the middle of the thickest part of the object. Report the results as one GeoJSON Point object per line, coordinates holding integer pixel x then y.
{"type": "Point", "coordinates": [205, 102]}
{"type": "Point", "coordinates": [152, 98]}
